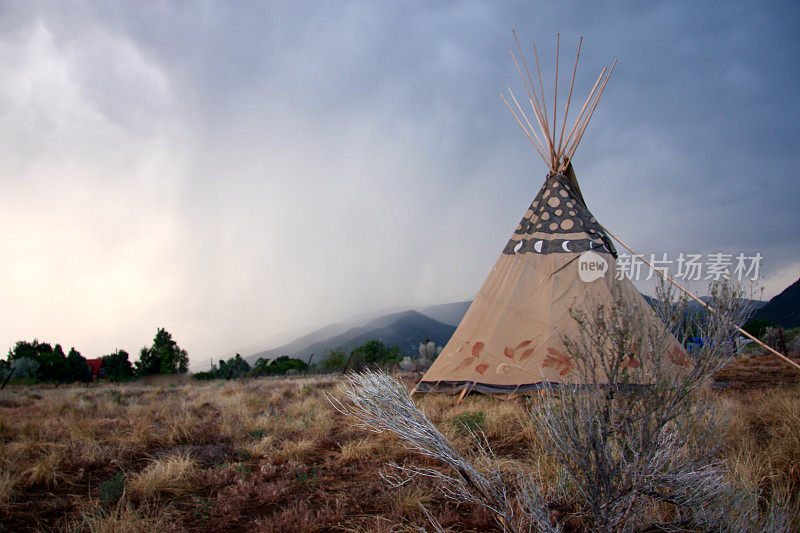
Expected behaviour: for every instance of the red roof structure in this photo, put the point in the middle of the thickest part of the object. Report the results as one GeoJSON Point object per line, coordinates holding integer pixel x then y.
{"type": "Point", "coordinates": [95, 365]}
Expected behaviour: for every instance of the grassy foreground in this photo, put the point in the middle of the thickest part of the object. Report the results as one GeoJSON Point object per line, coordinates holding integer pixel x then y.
{"type": "Point", "coordinates": [272, 455]}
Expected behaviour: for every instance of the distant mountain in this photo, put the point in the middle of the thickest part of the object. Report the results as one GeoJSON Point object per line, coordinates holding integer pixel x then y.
{"type": "Point", "coordinates": [406, 330]}
{"type": "Point", "coordinates": [299, 344]}
{"type": "Point", "coordinates": [447, 313]}
{"type": "Point", "coordinates": [784, 309]}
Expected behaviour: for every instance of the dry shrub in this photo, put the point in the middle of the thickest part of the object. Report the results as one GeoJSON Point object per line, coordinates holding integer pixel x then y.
{"type": "Point", "coordinates": [371, 449]}
{"type": "Point", "coordinates": [299, 516]}
{"type": "Point", "coordinates": [270, 424]}
{"type": "Point", "coordinates": [234, 403]}
{"type": "Point", "coordinates": [245, 494]}
{"type": "Point", "coordinates": [437, 406]}
{"type": "Point", "coordinates": [202, 407]}
{"type": "Point", "coordinates": [280, 391]}
{"type": "Point", "coordinates": [295, 450]}
{"type": "Point", "coordinates": [124, 517]}
{"type": "Point", "coordinates": [7, 482]}
{"type": "Point", "coordinates": [794, 346]}
{"type": "Point", "coordinates": [263, 447]}
{"type": "Point", "coordinates": [22, 450]}
{"type": "Point", "coordinates": [8, 401]}
{"type": "Point", "coordinates": [764, 439]}
{"type": "Point", "coordinates": [381, 404]}
{"type": "Point", "coordinates": [142, 421]}
{"type": "Point", "coordinates": [309, 418]}
{"type": "Point", "coordinates": [181, 427]}
{"type": "Point", "coordinates": [57, 429]}
{"type": "Point", "coordinates": [84, 452]}
{"type": "Point", "coordinates": [315, 415]}
{"type": "Point", "coordinates": [321, 427]}
{"type": "Point", "coordinates": [254, 400]}
{"type": "Point", "coordinates": [358, 450]}
{"type": "Point", "coordinates": [46, 469]}
{"type": "Point", "coordinates": [84, 428]}
{"type": "Point", "coordinates": [171, 475]}
{"type": "Point", "coordinates": [208, 481]}
{"type": "Point", "coordinates": [407, 499]}
{"type": "Point", "coordinates": [206, 455]}
{"type": "Point", "coordinates": [308, 406]}
{"type": "Point", "coordinates": [165, 421]}
{"type": "Point", "coordinates": [503, 423]}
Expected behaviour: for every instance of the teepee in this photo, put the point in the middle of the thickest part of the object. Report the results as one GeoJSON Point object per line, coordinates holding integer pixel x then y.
{"type": "Point", "coordinates": [558, 258]}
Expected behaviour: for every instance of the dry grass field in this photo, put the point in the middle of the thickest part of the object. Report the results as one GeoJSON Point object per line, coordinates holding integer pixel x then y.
{"type": "Point", "coordinates": [273, 455]}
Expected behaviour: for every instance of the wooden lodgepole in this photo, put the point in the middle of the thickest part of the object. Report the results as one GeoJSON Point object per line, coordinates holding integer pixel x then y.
{"type": "Point", "coordinates": [698, 300]}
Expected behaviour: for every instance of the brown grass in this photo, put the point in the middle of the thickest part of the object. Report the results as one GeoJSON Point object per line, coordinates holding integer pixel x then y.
{"type": "Point", "coordinates": [6, 487]}
{"type": "Point", "coordinates": [122, 518]}
{"type": "Point", "coordinates": [172, 475]}
{"type": "Point", "coordinates": [272, 455]}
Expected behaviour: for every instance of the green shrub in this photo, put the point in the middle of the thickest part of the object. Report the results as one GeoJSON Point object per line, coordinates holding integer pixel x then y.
{"type": "Point", "coordinates": [278, 366]}
{"type": "Point", "coordinates": [758, 326]}
{"type": "Point", "coordinates": [374, 352]}
{"type": "Point", "coordinates": [258, 434]}
{"type": "Point", "coordinates": [235, 367]}
{"type": "Point", "coordinates": [117, 366]}
{"type": "Point", "coordinates": [471, 421]}
{"type": "Point", "coordinates": [163, 357]}
{"type": "Point", "coordinates": [111, 490]}
{"type": "Point", "coordinates": [334, 360]}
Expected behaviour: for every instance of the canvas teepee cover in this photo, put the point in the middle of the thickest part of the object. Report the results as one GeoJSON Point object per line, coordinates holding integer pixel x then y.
{"type": "Point", "coordinates": [558, 258]}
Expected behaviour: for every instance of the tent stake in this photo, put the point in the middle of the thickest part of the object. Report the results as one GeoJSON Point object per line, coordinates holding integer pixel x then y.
{"type": "Point", "coordinates": [701, 302]}
{"type": "Point", "coordinates": [461, 396]}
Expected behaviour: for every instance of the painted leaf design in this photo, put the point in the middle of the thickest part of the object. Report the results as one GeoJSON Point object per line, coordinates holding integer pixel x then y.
{"type": "Point", "coordinates": [481, 368]}
{"type": "Point", "coordinates": [509, 352]}
{"type": "Point", "coordinates": [559, 360]}
{"type": "Point", "coordinates": [526, 354]}
{"type": "Point", "coordinates": [477, 348]}
{"type": "Point", "coordinates": [465, 363]}
{"type": "Point", "coordinates": [632, 362]}
{"type": "Point", "coordinates": [523, 344]}
{"type": "Point", "coordinates": [503, 368]}
{"type": "Point", "coordinates": [678, 357]}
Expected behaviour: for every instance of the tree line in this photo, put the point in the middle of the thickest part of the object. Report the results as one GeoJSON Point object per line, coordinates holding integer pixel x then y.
{"type": "Point", "coordinates": [372, 353]}
{"type": "Point", "coordinates": [41, 361]}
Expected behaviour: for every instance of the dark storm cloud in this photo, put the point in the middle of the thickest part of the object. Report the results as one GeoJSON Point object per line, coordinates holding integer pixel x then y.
{"type": "Point", "coordinates": [232, 170]}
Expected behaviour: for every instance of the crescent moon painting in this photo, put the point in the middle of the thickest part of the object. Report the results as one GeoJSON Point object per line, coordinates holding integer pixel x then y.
{"type": "Point", "coordinates": [518, 246]}
{"type": "Point", "coordinates": [565, 246]}
{"type": "Point", "coordinates": [538, 246]}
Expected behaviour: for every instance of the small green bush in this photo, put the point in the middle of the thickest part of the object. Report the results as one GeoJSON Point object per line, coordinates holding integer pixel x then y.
{"type": "Point", "coordinates": [258, 434]}
{"type": "Point", "coordinates": [278, 366]}
{"type": "Point", "coordinates": [111, 489]}
{"type": "Point", "coordinates": [758, 326]}
{"type": "Point", "coordinates": [469, 421]}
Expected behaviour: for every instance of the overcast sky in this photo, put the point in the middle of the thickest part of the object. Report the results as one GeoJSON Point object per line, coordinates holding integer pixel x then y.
{"type": "Point", "coordinates": [232, 170]}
